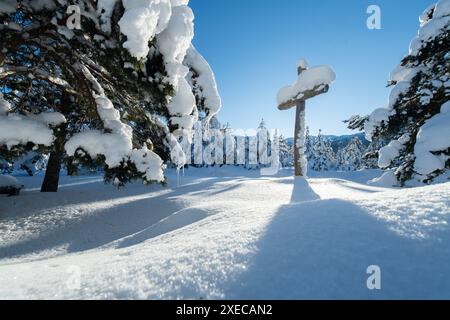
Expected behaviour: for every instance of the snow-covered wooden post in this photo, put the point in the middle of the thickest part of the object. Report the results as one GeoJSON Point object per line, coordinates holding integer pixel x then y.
{"type": "Point", "coordinates": [311, 82]}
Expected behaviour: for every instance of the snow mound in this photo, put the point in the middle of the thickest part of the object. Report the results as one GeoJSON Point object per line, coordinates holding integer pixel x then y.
{"type": "Point", "coordinates": [302, 191]}
{"type": "Point", "coordinates": [9, 181]}
{"type": "Point", "coordinates": [387, 180]}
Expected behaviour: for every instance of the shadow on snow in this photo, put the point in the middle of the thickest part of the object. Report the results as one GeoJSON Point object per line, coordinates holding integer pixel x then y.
{"type": "Point", "coordinates": [321, 249]}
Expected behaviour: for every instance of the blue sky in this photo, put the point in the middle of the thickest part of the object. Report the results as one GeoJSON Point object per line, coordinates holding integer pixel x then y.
{"type": "Point", "coordinates": [254, 46]}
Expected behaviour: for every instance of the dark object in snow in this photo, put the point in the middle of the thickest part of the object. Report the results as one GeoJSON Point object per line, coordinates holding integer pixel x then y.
{"type": "Point", "coordinates": [10, 191]}
{"type": "Point", "coordinates": [10, 186]}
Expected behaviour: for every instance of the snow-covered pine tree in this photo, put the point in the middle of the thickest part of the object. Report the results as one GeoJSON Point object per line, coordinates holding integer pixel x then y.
{"type": "Point", "coordinates": [340, 159]}
{"type": "Point", "coordinates": [309, 146]}
{"type": "Point", "coordinates": [371, 154]}
{"type": "Point", "coordinates": [251, 151]}
{"type": "Point", "coordinates": [286, 153]}
{"type": "Point", "coordinates": [351, 158]}
{"type": "Point", "coordinates": [262, 124]}
{"type": "Point", "coordinates": [417, 119]}
{"type": "Point", "coordinates": [89, 82]}
{"type": "Point", "coordinates": [323, 158]}
{"type": "Point", "coordinates": [331, 155]}
{"type": "Point", "coordinates": [263, 137]}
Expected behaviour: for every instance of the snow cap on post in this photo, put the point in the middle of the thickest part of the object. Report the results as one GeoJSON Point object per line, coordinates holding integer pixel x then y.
{"type": "Point", "coordinates": [310, 83]}
{"type": "Point", "coordinates": [302, 64]}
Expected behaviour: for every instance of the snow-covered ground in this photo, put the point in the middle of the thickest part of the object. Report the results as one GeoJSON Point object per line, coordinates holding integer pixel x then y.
{"type": "Point", "coordinates": [225, 233]}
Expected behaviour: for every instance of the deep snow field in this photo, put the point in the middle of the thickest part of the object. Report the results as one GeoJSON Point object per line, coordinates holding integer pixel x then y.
{"type": "Point", "coordinates": [225, 233]}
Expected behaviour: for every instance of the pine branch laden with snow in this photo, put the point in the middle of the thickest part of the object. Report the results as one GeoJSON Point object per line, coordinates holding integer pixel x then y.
{"type": "Point", "coordinates": [415, 120]}
{"type": "Point", "coordinates": [201, 78]}
{"type": "Point", "coordinates": [356, 122]}
{"type": "Point", "coordinates": [131, 64]}
{"type": "Point", "coordinates": [433, 143]}
{"type": "Point", "coordinates": [16, 129]}
{"type": "Point", "coordinates": [116, 145]}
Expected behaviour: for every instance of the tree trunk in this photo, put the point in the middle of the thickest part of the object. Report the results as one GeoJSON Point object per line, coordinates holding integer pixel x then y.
{"type": "Point", "coordinates": [299, 129]}
{"type": "Point", "coordinates": [51, 180]}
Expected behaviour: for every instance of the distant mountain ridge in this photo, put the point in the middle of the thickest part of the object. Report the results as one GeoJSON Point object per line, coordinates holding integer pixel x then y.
{"type": "Point", "coordinates": [338, 142]}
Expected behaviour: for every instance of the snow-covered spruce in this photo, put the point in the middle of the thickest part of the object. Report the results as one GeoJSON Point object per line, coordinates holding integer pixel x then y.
{"type": "Point", "coordinates": [127, 99]}
{"type": "Point", "coordinates": [351, 157]}
{"type": "Point", "coordinates": [309, 146]}
{"type": "Point", "coordinates": [323, 157]}
{"type": "Point", "coordinates": [416, 120]}
{"type": "Point", "coordinates": [286, 153]}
